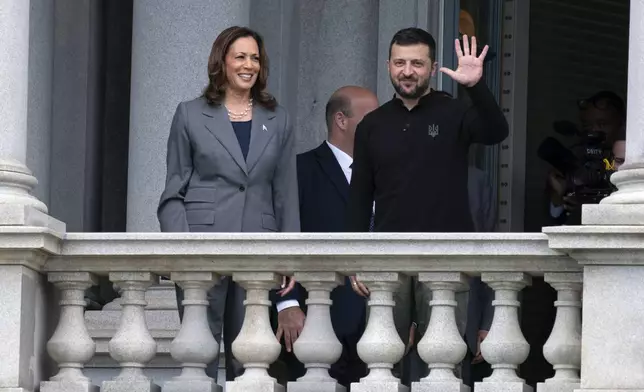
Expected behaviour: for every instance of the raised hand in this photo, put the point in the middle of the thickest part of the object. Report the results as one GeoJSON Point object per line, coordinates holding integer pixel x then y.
{"type": "Point", "coordinates": [470, 67]}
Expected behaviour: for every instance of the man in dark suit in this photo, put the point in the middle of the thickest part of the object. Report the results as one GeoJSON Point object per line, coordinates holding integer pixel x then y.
{"type": "Point", "coordinates": [324, 174]}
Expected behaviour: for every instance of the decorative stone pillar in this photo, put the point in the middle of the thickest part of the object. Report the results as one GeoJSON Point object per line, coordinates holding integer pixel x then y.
{"type": "Point", "coordinates": [563, 348]}
{"type": "Point", "coordinates": [41, 86]}
{"type": "Point", "coordinates": [442, 347]}
{"type": "Point", "coordinates": [16, 180]}
{"type": "Point", "coordinates": [256, 346]}
{"type": "Point", "coordinates": [380, 346]}
{"type": "Point", "coordinates": [505, 347]}
{"type": "Point", "coordinates": [317, 347]}
{"type": "Point", "coordinates": [194, 347]}
{"type": "Point", "coordinates": [71, 346]}
{"type": "Point", "coordinates": [132, 346]}
{"type": "Point", "coordinates": [22, 306]}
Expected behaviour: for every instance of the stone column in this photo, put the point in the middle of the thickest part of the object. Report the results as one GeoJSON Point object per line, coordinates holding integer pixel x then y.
{"type": "Point", "coordinates": [194, 347]}
{"type": "Point", "coordinates": [23, 314]}
{"type": "Point", "coordinates": [626, 206]}
{"type": "Point", "coordinates": [41, 67]}
{"type": "Point", "coordinates": [338, 47]}
{"type": "Point", "coordinates": [393, 16]}
{"type": "Point", "coordinates": [317, 347]}
{"type": "Point", "coordinates": [563, 348]}
{"type": "Point", "coordinates": [22, 294]}
{"type": "Point", "coordinates": [16, 180]}
{"type": "Point", "coordinates": [76, 114]}
{"type": "Point", "coordinates": [505, 347]}
{"type": "Point", "coordinates": [380, 346]}
{"type": "Point", "coordinates": [170, 47]}
{"type": "Point", "coordinates": [281, 45]}
{"type": "Point", "coordinates": [255, 346]}
{"type": "Point", "coordinates": [442, 347]}
{"type": "Point", "coordinates": [132, 346]}
{"type": "Point", "coordinates": [71, 347]}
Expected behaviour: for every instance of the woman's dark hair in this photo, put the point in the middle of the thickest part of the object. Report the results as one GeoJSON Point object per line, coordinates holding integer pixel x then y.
{"type": "Point", "coordinates": [215, 91]}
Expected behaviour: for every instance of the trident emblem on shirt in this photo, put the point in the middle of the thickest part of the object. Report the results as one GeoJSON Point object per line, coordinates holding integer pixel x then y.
{"type": "Point", "coordinates": [264, 128]}
{"type": "Point", "coordinates": [433, 130]}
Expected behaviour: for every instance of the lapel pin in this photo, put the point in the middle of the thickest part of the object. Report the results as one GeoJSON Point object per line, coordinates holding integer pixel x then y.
{"type": "Point", "coordinates": [264, 128]}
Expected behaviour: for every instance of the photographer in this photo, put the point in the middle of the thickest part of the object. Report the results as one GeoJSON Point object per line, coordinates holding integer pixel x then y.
{"type": "Point", "coordinates": [602, 115]}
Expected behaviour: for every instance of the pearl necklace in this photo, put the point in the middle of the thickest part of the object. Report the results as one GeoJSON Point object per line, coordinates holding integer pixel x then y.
{"type": "Point", "coordinates": [236, 116]}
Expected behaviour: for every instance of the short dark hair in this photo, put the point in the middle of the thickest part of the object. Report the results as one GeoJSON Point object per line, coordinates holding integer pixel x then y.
{"type": "Point", "coordinates": [604, 100]}
{"type": "Point", "coordinates": [414, 36]}
{"type": "Point", "coordinates": [337, 103]}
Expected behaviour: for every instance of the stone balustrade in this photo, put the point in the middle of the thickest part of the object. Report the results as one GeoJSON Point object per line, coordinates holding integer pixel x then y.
{"type": "Point", "coordinates": [444, 262]}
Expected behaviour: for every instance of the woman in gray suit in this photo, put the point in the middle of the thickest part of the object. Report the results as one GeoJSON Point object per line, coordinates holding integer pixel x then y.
{"type": "Point", "coordinates": [231, 168]}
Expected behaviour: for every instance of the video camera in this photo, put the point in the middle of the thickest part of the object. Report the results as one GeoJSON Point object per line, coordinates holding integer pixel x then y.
{"type": "Point", "coordinates": [588, 176]}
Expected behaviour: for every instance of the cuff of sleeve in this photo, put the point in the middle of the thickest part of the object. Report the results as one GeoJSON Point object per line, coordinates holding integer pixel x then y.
{"type": "Point", "coordinates": [555, 211]}
{"type": "Point", "coordinates": [480, 85]}
{"type": "Point", "coordinates": [286, 304]}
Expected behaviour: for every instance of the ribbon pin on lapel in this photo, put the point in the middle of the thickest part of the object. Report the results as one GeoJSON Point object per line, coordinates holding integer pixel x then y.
{"type": "Point", "coordinates": [264, 128]}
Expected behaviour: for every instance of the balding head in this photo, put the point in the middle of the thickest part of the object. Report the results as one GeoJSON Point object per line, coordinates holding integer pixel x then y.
{"type": "Point", "coordinates": [341, 101]}
{"type": "Point", "coordinates": [345, 109]}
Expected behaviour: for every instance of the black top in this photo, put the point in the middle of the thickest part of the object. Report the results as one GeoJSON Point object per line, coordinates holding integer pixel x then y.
{"type": "Point", "coordinates": [242, 131]}
{"type": "Point", "coordinates": [413, 163]}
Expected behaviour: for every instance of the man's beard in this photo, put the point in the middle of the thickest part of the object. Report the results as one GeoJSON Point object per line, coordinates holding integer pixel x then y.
{"type": "Point", "coordinates": [421, 88]}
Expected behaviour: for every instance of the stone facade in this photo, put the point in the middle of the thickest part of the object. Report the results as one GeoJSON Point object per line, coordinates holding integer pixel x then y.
{"type": "Point", "coordinates": [51, 106]}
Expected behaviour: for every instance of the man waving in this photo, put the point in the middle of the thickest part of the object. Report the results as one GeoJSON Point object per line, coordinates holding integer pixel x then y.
{"type": "Point", "coordinates": [411, 154]}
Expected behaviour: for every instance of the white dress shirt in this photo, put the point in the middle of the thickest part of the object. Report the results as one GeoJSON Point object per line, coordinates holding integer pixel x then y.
{"type": "Point", "coordinates": [343, 159]}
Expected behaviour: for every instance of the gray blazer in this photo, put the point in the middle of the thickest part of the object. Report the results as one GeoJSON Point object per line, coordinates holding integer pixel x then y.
{"type": "Point", "coordinates": [211, 188]}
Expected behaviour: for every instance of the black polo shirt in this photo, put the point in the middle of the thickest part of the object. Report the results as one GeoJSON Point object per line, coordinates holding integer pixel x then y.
{"type": "Point", "coordinates": [413, 163]}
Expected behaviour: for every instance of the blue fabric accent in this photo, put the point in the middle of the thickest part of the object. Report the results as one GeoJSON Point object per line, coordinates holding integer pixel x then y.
{"type": "Point", "coordinates": [242, 131]}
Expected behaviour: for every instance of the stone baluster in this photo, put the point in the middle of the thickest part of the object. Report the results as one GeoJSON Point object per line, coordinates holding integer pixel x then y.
{"type": "Point", "coordinates": [380, 346]}
{"type": "Point", "coordinates": [505, 347]}
{"type": "Point", "coordinates": [132, 346]}
{"type": "Point", "coordinates": [317, 347]}
{"type": "Point", "coordinates": [71, 346]}
{"type": "Point", "coordinates": [563, 348]}
{"type": "Point", "coordinates": [256, 346]}
{"type": "Point", "coordinates": [194, 346]}
{"type": "Point", "coordinates": [442, 346]}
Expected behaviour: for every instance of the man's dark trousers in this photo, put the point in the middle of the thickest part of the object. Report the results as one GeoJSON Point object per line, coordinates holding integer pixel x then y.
{"type": "Point", "coordinates": [324, 192]}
